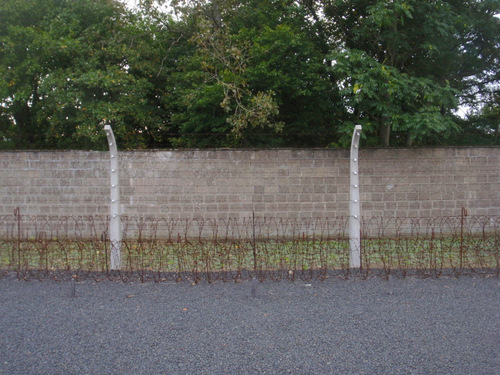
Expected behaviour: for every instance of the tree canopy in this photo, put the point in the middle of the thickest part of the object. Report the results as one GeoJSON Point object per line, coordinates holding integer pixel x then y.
{"type": "Point", "coordinates": [248, 73]}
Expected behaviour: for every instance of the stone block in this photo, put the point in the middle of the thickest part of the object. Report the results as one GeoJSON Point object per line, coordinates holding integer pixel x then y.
{"type": "Point", "coordinates": [202, 182]}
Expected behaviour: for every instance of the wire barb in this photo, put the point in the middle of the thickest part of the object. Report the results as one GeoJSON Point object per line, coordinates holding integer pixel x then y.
{"type": "Point", "coordinates": [253, 248]}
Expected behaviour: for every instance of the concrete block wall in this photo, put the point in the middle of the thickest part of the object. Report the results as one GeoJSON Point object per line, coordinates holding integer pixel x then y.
{"type": "Point", "coordinates": [220, 184]}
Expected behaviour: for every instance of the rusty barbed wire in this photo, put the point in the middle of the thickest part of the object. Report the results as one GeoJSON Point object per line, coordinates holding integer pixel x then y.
{"type": "Point", "coordinates": [233, 249]}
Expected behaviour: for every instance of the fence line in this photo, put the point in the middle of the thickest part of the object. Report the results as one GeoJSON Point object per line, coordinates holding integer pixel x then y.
{"type": "Point", "coordinates": [233, 249]}
{"type": "Point", "coordinates": [262, 228]}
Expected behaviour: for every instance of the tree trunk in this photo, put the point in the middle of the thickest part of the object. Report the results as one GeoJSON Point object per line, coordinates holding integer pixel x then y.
{"type": "Point", "coordinates": [409, 139]}
{"type": "Point", "coordinates": [216, 15]}
{"type": "Point", "coordinates": [385, 132]}
{"type": "Point", "coordinates": [23, 129]}
{"type": "Point", "coordinates": [496, 130]}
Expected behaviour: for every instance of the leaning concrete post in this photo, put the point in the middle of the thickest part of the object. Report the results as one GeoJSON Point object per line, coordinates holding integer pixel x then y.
{"type": "Point", "coordinates": [115, 228]}
{"type": "Point", "coordinates": [354, 204]}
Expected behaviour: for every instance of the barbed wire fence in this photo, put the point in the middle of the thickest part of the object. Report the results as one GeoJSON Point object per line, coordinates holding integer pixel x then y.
{"type": "Point", "coordinates": [235, 249]}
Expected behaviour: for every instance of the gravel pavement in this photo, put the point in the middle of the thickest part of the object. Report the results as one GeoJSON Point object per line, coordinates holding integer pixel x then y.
{"type": "Point", "coordinates": [355, 326]}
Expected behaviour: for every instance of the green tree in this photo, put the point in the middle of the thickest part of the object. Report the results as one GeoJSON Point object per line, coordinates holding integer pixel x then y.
{"type": "Point", "coordinates": [286, 59]}
{"type": "Point", "coordinates": [68, 66]}
{"type": "Point", "coordinates": [382, 98]}
{"type": "Point", "coordinates": [404, 65]}
{"type": "Point", "coordinates": [216, 98]}
{"type": "Point", "coordinates": [255, 70]}
{"type": "Point", "coordinates": [219, 73]}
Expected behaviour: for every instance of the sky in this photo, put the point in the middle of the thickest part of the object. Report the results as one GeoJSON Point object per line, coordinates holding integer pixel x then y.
{"type": "Point", "coordinates": [130, 3]}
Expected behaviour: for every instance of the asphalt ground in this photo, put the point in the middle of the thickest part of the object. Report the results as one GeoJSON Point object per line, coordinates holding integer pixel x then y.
{"type": "Point", "coordinates": [356, 326]}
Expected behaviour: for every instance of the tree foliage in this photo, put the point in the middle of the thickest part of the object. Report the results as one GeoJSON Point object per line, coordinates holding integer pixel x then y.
{"type": "Point", "coordinates": [405, 65]}
{"type": "Point", "coordinates": [222, 73]}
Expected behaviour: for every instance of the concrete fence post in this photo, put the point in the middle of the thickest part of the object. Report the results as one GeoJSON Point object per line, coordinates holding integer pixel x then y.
{"type": "Point", "coordinates": [115, 226]}
{"type": "Point", "coordinates": [354, 203]}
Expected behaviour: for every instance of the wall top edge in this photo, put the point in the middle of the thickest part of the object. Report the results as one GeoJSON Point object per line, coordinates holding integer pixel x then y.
{"type": "Point", "coordinates": [260, 149]}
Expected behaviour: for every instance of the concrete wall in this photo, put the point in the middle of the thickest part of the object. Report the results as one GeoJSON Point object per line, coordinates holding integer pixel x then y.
{"type": "Point", "coordinates": [284, 183]}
